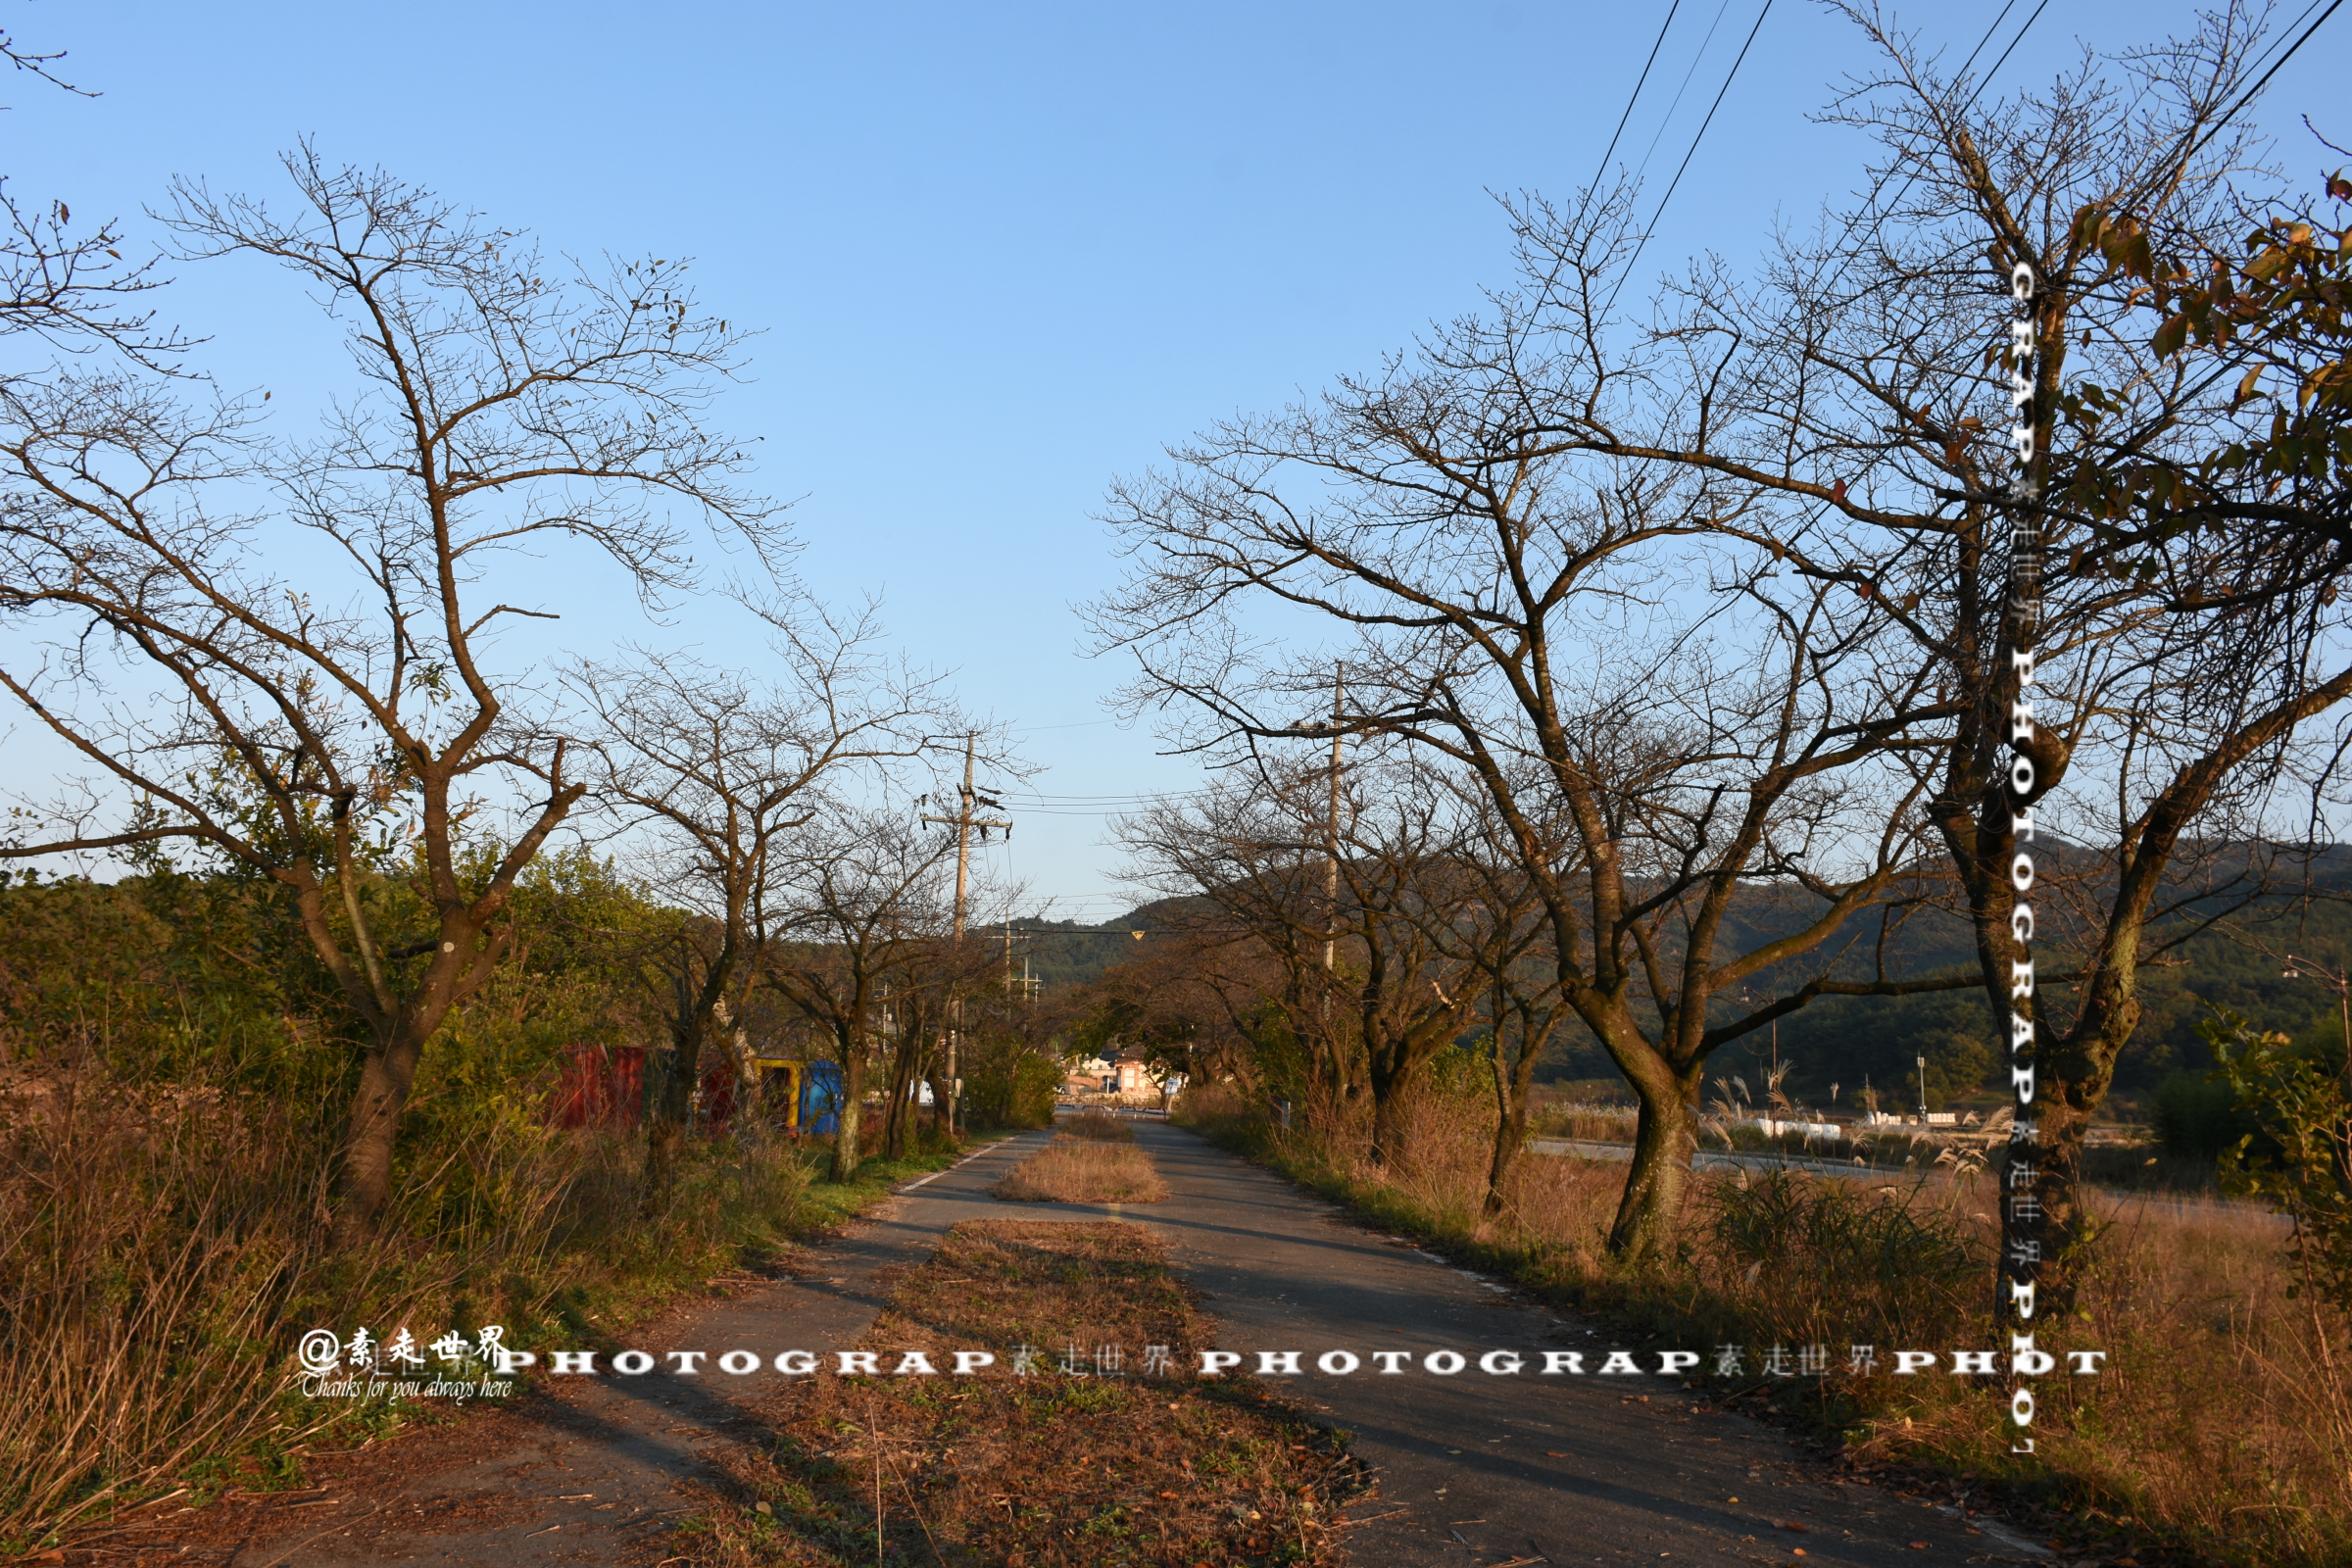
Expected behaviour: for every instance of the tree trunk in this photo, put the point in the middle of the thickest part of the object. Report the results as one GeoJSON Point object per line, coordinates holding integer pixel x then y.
{"type": "Point", "coordinates": [673, 1110]}
{"type": "Point", "coordinates": [1664, 1139]}
{"type": "Point", "coordinates": [1511, 1090]}
{"type": "Point", "coordinates": [386, 1076]}
{"type": "Point", "coordinates": [1390, 1102]}
{"type": "Point", "coordinates": [848, 1150]}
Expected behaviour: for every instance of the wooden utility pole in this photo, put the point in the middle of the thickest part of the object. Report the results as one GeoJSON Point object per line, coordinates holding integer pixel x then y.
{"type": "Point", "coordinates": [964, 821]}
{"type": "Point", "coordinates": [1331, 831]}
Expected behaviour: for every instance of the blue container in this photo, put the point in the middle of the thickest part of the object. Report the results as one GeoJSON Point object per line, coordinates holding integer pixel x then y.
{"type": "Point", "coordinates": [821, 1098]}
{"type": "Point", "coordinates": [805, 1096]}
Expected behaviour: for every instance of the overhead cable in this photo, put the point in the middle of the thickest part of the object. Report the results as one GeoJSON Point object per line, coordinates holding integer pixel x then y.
{"type": "Point", "coordinates": [1603, 171]}
{"type": "Point", "coordinates": [1686, 157]}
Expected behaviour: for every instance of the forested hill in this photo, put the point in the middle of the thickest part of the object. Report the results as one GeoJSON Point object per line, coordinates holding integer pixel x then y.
{"type": "Point", "coordinates": [2236, 963]}
{"type": "Point", "coordinates": [1064, 952]}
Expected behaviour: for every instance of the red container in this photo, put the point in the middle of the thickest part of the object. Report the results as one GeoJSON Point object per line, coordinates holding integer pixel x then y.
{"type": "Point", "coordinates": [601, 1086]}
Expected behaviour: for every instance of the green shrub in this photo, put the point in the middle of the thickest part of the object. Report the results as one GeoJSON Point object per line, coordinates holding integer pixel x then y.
{"type": "Point", "coordinates": [2196, 1117]}
{"type": "Point", "coordinates": [2299, 1100]}
{"type": "Point", "coordinates": [1801, 1247]}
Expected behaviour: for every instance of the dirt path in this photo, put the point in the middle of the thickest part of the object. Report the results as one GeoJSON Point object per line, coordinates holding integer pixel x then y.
{"type": "Point", "coordinates": [1472, 1469]}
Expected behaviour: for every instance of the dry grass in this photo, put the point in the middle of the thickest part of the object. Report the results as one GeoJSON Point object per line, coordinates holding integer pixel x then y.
{"type": "Point", "coordinates": [2219, 1427]}
{"type": "Point", "coordinates": [1052, 1470]}
{"type": "Point", "coordinates": [1084, 1170]}
{"type": "Point", "coordinates": [161, 1253]}
{"type": "Point", "coordinates": [1097, 1124]}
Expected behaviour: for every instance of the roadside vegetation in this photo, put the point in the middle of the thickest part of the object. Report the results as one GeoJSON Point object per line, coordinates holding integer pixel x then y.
{"type": "Point", "coordinates": [1057, 1456]}
{"type": "Point", "coordinates": [2216, 1432]}
{"type": "Point", "coordinates": [1083, 1170]}
{"type": "Point", "coordinates": [172, 1078]}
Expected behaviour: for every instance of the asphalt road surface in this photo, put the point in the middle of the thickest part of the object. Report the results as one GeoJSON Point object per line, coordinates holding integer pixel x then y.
{"type": "Point", "coordinates": [1473, 1470]}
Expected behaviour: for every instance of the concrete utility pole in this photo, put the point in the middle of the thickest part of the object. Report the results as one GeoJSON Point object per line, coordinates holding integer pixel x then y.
{"type": "Point", "coordinates": [964, 821]}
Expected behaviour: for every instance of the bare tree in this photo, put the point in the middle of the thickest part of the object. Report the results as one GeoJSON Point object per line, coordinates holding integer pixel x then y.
{"type": "Point", "coordinates": [205, 661]}
{"type": "Point", "coordinates": [74, 291]}
{"type": "Point", "coordinates": [1506, 946]}
{"type": "Point", "coordinates": [1381, 979]}
{"type": "Point", "coordinates": [1858, 398]}
{"type": "Point", "coordinates": [1569, 629]}
{"type": "Point", "coordinates": [1193, 998]}
{"type": "Point", "coordinates": [719, 775]}
{"type": "Point", "coordinates": [868, 904]}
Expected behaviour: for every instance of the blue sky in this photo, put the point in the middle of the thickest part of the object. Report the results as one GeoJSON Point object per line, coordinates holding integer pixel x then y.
{"type": "Point", "coordinates": [998, 253]}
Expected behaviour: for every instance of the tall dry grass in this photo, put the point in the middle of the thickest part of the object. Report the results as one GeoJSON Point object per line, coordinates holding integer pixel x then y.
{"type": "Point", "coordinates": [1097, 1124]}
{"type": "Point", "coordinates": [2221, 1421]}
{"type": "Point", "coordinates": [161, 1252]}
{"type": "Point", "coordinates": [1084, 1170]}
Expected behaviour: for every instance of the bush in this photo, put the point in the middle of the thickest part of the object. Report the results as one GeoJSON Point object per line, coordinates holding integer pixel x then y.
{"type": "Point", "coordinates": [2299, 1104]}
{"type": "Point", "coordinates": [162, 1251]}
{"type": "Point", "coordinates": [1816, 1256]}
{"type": "Point", "coordinates": [1011, 1085]}
{"type": "Point", "coordinates": [2196, 1117]}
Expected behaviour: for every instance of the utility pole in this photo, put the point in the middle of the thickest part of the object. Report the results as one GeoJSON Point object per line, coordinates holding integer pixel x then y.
{"type": "Point", "coordinates": [1331, 830]}
{"type": "Point", "coordinates": [964, 821]}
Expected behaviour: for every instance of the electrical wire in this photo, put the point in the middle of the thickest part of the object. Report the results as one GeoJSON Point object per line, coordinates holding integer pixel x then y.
{"type": "Point", "coordinates": [1912, 179]}
{"type": "Point", "coordinates": [1603, 170]}
{"type": "Point", "coordinates": [1698, 58]}
{"type": "Point", "coordinates": [1687, 156]}
{"type": "Point", "coordinates": [2247, 96]}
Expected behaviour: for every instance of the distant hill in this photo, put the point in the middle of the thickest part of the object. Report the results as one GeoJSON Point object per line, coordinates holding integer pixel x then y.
{"type": "Point", "coordinates": [1848, 1041]}
{"type": "Point", "coordinates": [1064, 952]}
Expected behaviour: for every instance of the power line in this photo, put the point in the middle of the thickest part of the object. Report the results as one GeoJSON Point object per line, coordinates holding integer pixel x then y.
{"type": "Point", "coordinates": [1637, 96]}
{"type": "Point", "coordinates": [1686, 157]}
{"type": "Point", "coordinates": [1697, 58]}
{"type": "Point", "coordinates": [1912, 178]}
{"type": "Point", "coordinates": [2246, 96]}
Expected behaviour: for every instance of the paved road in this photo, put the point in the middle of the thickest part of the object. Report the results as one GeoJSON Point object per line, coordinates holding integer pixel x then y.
{"type": "Point", "coordinates": [1472, 1469]}
{"type": "Point", "coordinates": [1477, 1469]}
{"type": "Point", "coordinates": [588, 1472]}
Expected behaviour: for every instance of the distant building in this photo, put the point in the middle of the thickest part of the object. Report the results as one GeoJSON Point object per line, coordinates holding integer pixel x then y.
{"type": "Point", "coordinates": [1126, 1077]}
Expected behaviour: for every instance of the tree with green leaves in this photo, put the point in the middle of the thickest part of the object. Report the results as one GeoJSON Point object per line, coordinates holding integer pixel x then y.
{"type": "Point", "coordinates": [2264, 318]}
{"type": "Point", "coordinates": [280, 650]}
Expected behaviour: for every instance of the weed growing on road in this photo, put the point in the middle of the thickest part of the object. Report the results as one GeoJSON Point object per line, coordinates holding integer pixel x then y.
{"type": "Point", "coordinates": [1084, 1169]}
{"type": "Point", "coordinates": [1057, 1467]}
{"type": "Point", "coordinates": [1097, 1124]}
